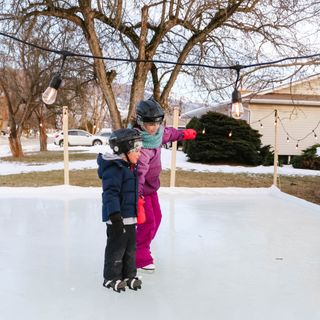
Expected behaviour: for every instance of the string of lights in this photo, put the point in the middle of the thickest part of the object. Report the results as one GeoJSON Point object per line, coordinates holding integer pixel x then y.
{"type": "Point", "coordinates": [49, 95]}
{"type": "Point", "coordinates": [237, 67]}
{"type": "Point", "coordinates": [289, 136]}
{"type": "Point", "coordinates": [259, 121]}
{"type": "Point", "coordinates": [301, 139]}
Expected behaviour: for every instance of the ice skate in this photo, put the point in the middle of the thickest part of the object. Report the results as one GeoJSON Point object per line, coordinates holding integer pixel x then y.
{"type": "Point", "coordinates": [150, 268]}
{"type": "Point", "coordinates": [116, 285]}
{"type": "Point", "coordinates": [134, 283]}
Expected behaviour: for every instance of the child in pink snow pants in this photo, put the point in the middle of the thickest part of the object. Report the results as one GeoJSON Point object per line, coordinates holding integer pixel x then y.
{"type": "Point", "coordinates": [149, 119]}
{"type": "Point", "coordinates": [147, 231]}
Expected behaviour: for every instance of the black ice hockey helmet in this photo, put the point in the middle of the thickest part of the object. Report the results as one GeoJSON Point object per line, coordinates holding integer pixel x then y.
{"type": "Point", "coordinates": [124, 140]}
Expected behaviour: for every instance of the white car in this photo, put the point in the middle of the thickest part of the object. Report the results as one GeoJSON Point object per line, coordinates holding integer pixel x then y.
{"type": "Point", "coordinates": [78, 137]}
{"type": "Point", "coordinates": [105, 135]}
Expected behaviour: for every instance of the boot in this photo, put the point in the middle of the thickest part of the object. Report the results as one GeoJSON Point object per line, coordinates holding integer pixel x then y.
{"type": "Point", "coordinates": [116, 285]}
{"type": "Point", "coordinates": [134, 283]}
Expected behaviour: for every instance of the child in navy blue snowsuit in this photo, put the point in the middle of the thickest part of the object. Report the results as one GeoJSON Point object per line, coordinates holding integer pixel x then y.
{"type": "Point", "coordinates": [118, 173]}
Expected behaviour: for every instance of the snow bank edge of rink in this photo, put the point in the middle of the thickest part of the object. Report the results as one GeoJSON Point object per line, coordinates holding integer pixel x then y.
{"type": "Point", "coordinates": [67, 192]}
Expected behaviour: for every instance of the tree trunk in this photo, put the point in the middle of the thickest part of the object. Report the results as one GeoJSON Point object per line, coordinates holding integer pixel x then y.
{"type": "Point", "coordinates": [15, 145]}
{"type": "Point", "coordinates": [142, 68]}
{"type": "Point", "coordinates": [95, 115]}
{"type": "Point", "coordinates": [84, 114]}
{"type": "Point", "coordinates": [104, 80]}
{"type": "Point", "coordinates": [15, 131]}
{"type": "Point", "coordinates": [43, 139]}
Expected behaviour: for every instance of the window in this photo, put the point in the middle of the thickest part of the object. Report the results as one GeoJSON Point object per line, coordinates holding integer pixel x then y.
{"type": "Point", "coordinates": [82, 133]}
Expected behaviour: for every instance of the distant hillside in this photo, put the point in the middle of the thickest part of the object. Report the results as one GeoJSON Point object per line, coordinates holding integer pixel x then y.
{"type": "Point", "coordinates": [122, 92]}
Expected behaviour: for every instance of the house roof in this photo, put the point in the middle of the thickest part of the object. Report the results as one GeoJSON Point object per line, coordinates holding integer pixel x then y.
{"type": "Point", "coordinates": [303, 92]}
{"type": "Point", "coordinates": [293, 87]}
{"type": "Point", "coordinates": [200, 111]}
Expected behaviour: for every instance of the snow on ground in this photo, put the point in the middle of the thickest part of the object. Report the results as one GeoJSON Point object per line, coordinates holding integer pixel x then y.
{"type": "Point", "coordinates": [31, 145]}
{"type": "Point", "coordinates": [224, 254]}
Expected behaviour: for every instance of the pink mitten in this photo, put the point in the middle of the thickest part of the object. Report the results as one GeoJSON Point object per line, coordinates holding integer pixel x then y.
{"type": "Point", "coordinates": [189, 134]}
{"type": "Point", "coordinates": [141, 213]}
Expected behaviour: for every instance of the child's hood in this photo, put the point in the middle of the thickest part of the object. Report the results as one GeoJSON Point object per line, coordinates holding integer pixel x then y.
{"type": "Point", "coordinates": [106, 160]}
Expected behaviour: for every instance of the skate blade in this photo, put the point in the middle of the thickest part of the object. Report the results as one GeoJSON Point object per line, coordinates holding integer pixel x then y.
{"type": "Point", "coordinates": [143, 270]}
{"type": "Point", "coordinates": [135, 288]}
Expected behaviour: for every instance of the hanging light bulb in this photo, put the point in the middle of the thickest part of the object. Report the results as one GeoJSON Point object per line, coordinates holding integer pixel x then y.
{"type": "Point", "coordinates": [297, 145]}
{"type": "Point", "coordinates": [50, 95]}
{"type": "Point", "coordinates": [237, 107]}
{"type": "Point", "coordinates": [287, 139]}
{"type": "Point", "coordinates": [261, 125]}
{"type": "Point", "coordinates": [315, 135]}
{"type": "Point", "coordinates": [204, 131]}
{"type": "Point", "coordinates": [230, 134]}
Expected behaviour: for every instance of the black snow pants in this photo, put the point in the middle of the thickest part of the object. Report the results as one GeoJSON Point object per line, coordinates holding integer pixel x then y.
{"type": "Point", "coordinates": [120, 254]}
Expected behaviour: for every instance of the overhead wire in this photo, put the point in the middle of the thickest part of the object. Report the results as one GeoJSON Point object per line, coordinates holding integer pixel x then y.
{"type": "Point", "coordinates": [237, 67]}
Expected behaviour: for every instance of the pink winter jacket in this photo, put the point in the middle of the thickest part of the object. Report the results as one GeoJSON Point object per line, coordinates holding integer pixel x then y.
{"type": "Point", "coordinates": [149, 164]}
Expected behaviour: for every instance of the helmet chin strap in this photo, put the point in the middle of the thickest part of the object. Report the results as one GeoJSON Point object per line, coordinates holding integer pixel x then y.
{"type": "Point", "coordinates": [131, 164]}
{"type": "Point", "coordinates": [140, 123]}
{"type": "Point", "coordinates": [128, 158]}
{"type": "Point", "coordinates": [124, 156]}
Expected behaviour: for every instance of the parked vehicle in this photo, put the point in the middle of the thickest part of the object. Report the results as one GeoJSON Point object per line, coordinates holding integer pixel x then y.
{"type": "Point", "coordinates": [105, 134]}
{"type": "Point", "coordinates": [77, 137]}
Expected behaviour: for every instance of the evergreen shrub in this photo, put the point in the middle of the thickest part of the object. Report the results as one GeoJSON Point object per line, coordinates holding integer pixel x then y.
{"type": "Point", "coordinates": [216, 145]}
{"type": "Point", "coordinates": [308, 159]}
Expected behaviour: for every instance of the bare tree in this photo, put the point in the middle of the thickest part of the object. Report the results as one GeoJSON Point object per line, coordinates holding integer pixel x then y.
{"type": "Point", "coordinates": [12, 102]}
{"type": "Point", "coordinates": [183, 31]}
{"type": "Point", "coordinates": [19, 96]}
{"type": "Point", "coordinates": [25, 74]}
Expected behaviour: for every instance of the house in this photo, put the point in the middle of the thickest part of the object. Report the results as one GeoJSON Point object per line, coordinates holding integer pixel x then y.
{"type": "Point", "coordinates": [298, 110]}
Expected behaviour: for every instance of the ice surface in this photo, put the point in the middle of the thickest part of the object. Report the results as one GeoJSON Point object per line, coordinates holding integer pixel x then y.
{"type": "Point", "coordinates": [220, 254]}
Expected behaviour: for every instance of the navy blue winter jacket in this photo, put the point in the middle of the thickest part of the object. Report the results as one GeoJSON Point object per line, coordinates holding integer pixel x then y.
{"type": "Point", "coordinates": [119, 185]}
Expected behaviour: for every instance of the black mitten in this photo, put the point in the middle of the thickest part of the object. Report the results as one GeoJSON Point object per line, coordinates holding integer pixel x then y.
{"type": "Point", "coordinates": [117, 224]}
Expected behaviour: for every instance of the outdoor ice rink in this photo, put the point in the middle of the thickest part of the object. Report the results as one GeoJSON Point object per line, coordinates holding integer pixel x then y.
{"type": "Point", "coordinates": [224, 254]}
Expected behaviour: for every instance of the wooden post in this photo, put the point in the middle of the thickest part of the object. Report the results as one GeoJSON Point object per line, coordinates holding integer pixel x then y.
{"type": "Point", "coordinates": [174, 148]}
{"type": "Point", "coordinates": [65, 145]}
{"type": "Point", "coordinates": [275, 157]}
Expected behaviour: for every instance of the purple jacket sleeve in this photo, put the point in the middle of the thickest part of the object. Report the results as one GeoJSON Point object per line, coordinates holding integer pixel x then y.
{"type": "Point", "coordinates": [171, 134]}
{"type": "Point", "coordinates": [143, 168]}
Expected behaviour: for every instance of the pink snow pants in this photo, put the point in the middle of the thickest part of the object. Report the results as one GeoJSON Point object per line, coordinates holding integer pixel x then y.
{"type": "Point", "coordinates": [147, 231]}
